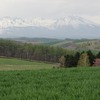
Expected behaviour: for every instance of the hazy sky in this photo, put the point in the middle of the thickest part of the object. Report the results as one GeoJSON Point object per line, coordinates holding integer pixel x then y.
{"type": "Point", "coordinates": [50, 8]}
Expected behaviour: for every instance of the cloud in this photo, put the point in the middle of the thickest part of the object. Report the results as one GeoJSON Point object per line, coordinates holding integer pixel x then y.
{"type": "Point", "coordinates": [49, 8]}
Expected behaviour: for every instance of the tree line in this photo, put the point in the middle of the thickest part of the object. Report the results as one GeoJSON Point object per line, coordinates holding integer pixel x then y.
{"type": "Point", "coordinates": [66, 58]}
{"type": "Point", "coordinates": [9, 48]}
{"type": "Point", "coordinates": [81, 59]}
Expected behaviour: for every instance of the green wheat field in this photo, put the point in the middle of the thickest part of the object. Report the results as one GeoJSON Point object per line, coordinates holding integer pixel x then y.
{"type": "Point", "coordinates": [25, 80]}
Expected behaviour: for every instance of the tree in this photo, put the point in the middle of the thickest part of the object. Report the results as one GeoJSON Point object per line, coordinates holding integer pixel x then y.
{"type": "Point", "coordinates": [76, 58]}
{"type": "Point", "coordinates": [91, 57]}
{"type": "Point", "coordinates": [30, 51]}
{"type": "Point", "coordinates": [84, 60]}
{"type": "Point", "coordinates": [69, 62]}
{"type": "Point", "coordinates": [62, 61]}
{"type": "Point", "coordinates": [98, 55]}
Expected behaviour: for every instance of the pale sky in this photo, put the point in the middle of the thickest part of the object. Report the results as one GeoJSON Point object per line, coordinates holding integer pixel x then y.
{"type": "Point", "coordinates": [50, 8]}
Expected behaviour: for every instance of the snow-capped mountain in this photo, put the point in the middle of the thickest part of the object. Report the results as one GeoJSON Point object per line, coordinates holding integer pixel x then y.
{"type": "Point", "coordinates": [69, 27]}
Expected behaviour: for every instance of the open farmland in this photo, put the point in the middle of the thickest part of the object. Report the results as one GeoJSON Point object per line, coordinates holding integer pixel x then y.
{"type": "Point", "coordinates": [47, 83]}
{"type": "Point", "coordinates": [16, 64]}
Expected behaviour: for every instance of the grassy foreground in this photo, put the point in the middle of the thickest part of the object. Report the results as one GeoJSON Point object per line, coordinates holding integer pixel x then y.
{"type": "Point", "coordinates": [47, 83]}
{"type": "Point", "coordinates": [51, 84]}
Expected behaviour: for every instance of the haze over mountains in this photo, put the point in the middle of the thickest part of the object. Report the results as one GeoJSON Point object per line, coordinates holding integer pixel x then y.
{"type": "Point", "coordinates": [68, 27]}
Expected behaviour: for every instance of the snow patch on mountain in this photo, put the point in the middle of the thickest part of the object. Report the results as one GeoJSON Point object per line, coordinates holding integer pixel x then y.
{"type": "Point", "coordinates": [73, 21]}
{"type": "Point", "coordinates": [38, 22]}
{"type": "Point", "coordinates": [68, 27]}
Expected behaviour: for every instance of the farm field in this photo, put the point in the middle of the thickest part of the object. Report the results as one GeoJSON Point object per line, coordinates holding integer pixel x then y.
{"type": "Point", "coordinates": [16, 64]}
{"type": "Point", "coordinates": [48, 83]}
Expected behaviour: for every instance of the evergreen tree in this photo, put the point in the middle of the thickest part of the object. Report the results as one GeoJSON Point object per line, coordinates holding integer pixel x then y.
{"type": "Point", "coordinates": [98, 55]}
{"type": "Point", "coordinates": [91, 57]}
{"type": "Point", "coordinates": [76, 58]}
{"type": "Point", "coordinates": [69, 61]}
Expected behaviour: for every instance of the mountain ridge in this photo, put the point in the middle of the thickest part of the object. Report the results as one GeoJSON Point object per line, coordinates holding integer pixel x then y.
{"type": "Point", "coordinates": [18, 22]}
{"type": "Point", "coordinates": [68, 27]}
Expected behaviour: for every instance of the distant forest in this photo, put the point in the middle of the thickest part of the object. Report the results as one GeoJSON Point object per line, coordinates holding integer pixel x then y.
{"type": "Point", "coordinates": [9, 48]}
{"type": "Point", "coordinates": [28, 51]}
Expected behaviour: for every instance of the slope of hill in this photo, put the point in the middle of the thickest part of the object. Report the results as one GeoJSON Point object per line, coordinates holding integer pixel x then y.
{"type": "Point", "coordinates": [17, 64]}
{"type": "Point", "coordinates": [78, 44]}
{"type": "Point", "coordinates": [72, 44]}
{"type": "Point", "coordinates": [36, 40]}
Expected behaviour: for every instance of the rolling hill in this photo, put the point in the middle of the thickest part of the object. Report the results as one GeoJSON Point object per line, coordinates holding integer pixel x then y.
{"type": "Point", "coordinates": [71, 44]}
{"type": "Point", "coordinates": [79, 44]}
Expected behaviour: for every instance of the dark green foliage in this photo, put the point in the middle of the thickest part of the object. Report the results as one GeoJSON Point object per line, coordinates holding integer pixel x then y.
{"type": "Point", "coordinates": [82, 52]}
{"type": "Point", "coordinates": [91, 57]}
{"type": "Point", "coordinates": [69, 61]}
{"type": "Point", "coordinates": [85, 58]}
{"type": "Point", "coordinates": [32, 52]}
{"type": "Point", "coordinates": [29, 51]}
{"type": "Point", "coordinates": [76, 58]}
{"type": "Point", "coordinates": [98, 55]}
